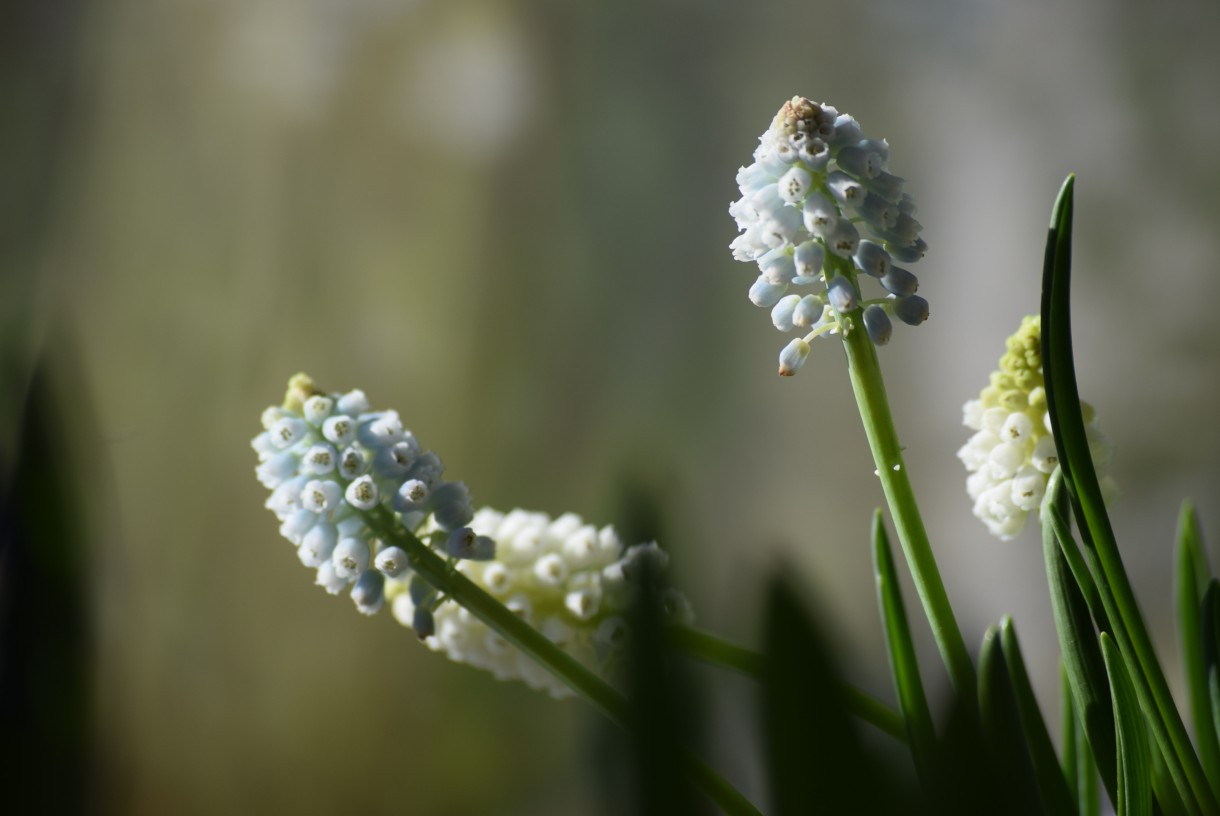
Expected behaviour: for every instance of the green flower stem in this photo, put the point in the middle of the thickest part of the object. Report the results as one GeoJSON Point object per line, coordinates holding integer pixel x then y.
{"type": "Point", "coordinates": [874, 408]}
{"type": "Point", "coordinates": [715, 651]}
{"type": "Point", "coordinates": [461, 590]}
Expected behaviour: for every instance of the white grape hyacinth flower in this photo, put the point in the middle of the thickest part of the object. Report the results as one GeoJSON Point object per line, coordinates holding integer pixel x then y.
{"type": "Point", "coordinates": [1012, 453]}
{"type": "Point", "coordinates": [819, 212]}
{"type": "Point", "coordinates": [571, 581]}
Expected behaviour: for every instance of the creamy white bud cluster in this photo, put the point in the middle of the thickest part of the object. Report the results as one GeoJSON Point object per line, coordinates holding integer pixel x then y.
{"type": "Point", "coordinates": [1012, 453]}
{"type": "Point", "coordinates": [569, 580]}
{"type": "Point", "coordinates": [329, 462]}
{"type": "Point", "coordinates": [820, 208]}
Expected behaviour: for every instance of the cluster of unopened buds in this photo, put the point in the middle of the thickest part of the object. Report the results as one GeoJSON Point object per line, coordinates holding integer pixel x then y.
{"type": "Point", "coordinates": [344, 478]}
{"type": "Point", "coordinates": [819, 208]}
{"type": "Point", "coordinates": [1012, 453]}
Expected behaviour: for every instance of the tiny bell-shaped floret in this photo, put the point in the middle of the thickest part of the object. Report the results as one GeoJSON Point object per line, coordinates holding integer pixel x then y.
{"type": "Point", "coordinates": [877, 324]}
{"type": "Point", "coordinates": [842, 294]}
{"type": "Point", "coordinates": [911, 309]}
{"type": "Point", "coordinates": [369, 592]}
{"type": "Point", "coordinates": [793, 357]}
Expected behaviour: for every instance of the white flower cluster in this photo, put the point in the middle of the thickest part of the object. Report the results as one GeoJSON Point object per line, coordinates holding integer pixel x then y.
{"type": "Point", "coordinates": [814, 186]}
{"type": "Point", "coordinates": [330, 464]}
{"type": "Point", "coordinates": [1012, 453]}
{"type": "Point", "coordinates": [567, 579]}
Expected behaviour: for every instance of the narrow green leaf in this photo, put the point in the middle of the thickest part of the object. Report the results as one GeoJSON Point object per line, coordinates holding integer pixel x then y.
{"type": "Point", "coordinates": [903, 666]}
{"type": "Point", "coordinates": [1088, 790]}
{"type": "Point", "coordinates": [1002, 729]}
{"type": "Point", "coordinates": [1210, 636]}
{"type": "Point", "coordinates": [1052, 787]}
{"type": "Point", "coordinates": [1134, 759]}
{"type": "Point", "coordinates": [1164, 792]}
{"type": "Point", "coordinates": [1097, 533]}
{"type": "Point", "coordinates": [1082, 659]}
{"type": "Point", "coordinates": [1069, 728]}
{"type": "Point", "coordinates": [1190, 587]}
{"type": "Point", "coordinates": [815, 759]}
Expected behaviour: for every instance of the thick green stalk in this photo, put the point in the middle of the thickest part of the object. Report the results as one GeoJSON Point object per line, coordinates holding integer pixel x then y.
{"type": "Point", "coordinates": [461, 590]}
{"type": "Point", "coordinates": [874, 408]}
{"type": "Point", "coordinates": [716, 651]}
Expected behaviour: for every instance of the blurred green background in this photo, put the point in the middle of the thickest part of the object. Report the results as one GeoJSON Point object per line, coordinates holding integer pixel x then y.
{"type": "Point", "coordinates": [508, 221]}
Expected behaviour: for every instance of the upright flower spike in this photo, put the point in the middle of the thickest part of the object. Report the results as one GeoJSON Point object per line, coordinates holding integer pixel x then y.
{"type": "Point", "coordinates": [331, 463]}
{"type": "Point", "coordinates": [1012, 453]}
{"type": "Point", "coordinates": [567, 579]}
{"type": "Point", "coordinates": [819, 207]}
{"type": "Point", "coordinates": [323, 495]}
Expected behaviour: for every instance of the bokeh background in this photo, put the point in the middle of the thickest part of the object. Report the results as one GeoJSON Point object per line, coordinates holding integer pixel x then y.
{"type": "Point", "coordinates": [508, 220]}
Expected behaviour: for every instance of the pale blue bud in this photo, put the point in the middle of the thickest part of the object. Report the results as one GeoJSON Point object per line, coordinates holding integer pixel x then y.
{"type": "Point", "coordinates": [287, 432]}
{"type": "Point", "coordinates": [872, 259]}
{"type": "Point", "coordinates": [396, 459]}
{"type": "Point", "coordinates": [320, 495]}
{"type": "Point", "coordinates": [900, 282]}
{"type": "Point", "coordinates": [329, 580]}
{"type": "Point", "coordinates": [909, 253]}
{"type": "Point", "coordinates": [815, 153]}
{"type": "Point", "coordinates": [879, 146]}
{"type": "Point", "coordinates": [878, 325]}
{"type": "Point", "coordinates": [777, 267]}
{"type": "Point", "coordinates": [793, 186]}
{"type": "Point", "coordinates": [766, 294]}
{"type": "Point", "coordinates": [350, 557]}
{"type": "Point", "coordinates": [362, 494]}
{"type": "Point", "coordinates": [411, 496]}
{"type": "Point", "coordinates": [819, 213]}
{"type": "Point", "coordinates": [275, 470]}
{"type": "Point", "coordinates": [317, 408]}
{"type": "Point", "coordinates": [451, 505]}
{"type": "Point", "coordinates": [911, 310]}
{"type": "Point", "coordinates": [808, 258]}
{"type": "Point", "coordinates": [369, 592]}
{"type": "Point", "coordinates": [353, 403]}
{"type": "Point", "coordinates": [889, 187]}
{"type": "Point", "coordinates": [318, 545]}
{"type": "Point", "coordinates": [423, 623]}
{"type": "Point", "coordinates": [319, 460]}
{"type": "Point", "coordinates": [808, 311]}
{"type": "Point", "coordinates": [842, 294]}
{"type": "Point", "coordinates": [464, 543]}
{"type": "Point", "coordinates": [791, 358]}
{"type": "Point", "coordinates": [781, 315]}
{"type": "Point", "coordinates": [352, 463]}
{"type": "Point", "coordinates": [392, 561]}
{"type": "Point", "coordinates": [847, 190]}
{"type": "Point", "coordinates": [844, 239]}
{"type": "Point", "coordinates": [860, 162]}
{"type": "Point", "coordinates": [340, 429]}
{"type": "Point", "coordinates": [847, 130]}
{"type": "Point", "coordinates": [878, 212]}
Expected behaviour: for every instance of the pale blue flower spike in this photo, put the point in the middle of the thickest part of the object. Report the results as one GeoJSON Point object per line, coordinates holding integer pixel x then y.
{"type": "Point", "coordinates": [878, 325]}
{"type": "Point", "coordinates": [565, 578]}
{"type": "Point", "coordinates": [817, 191]}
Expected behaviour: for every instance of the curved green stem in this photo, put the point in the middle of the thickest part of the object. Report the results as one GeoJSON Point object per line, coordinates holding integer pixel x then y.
{"type": "Point", "coordinates": [715, 651]}
{"type": "Point", "coordinates": [874, 408]}
{"type": "Point", "coordinates": [461, 590]}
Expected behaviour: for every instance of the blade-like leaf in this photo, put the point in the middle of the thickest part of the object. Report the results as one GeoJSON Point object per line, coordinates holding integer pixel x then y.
{"type": "Point", "coordinates": [1190, 587]}
{"type": "Point", "coordinates": [1088, 506]}
{"type": "Point", "coordinates": [1134, 760]}
{"type": "Point", "coordinates": [1082, 660]}
{"type": "Point", "coordinates": [815, 760]}
{"type": "Point", "coordinates": [1052, 788]}
{"type": "Point", "coordinates": [1211, 648]}
{"type": "Point", "coordinates": [903, 666]}
{"type": "Point", "coordinates": [1002, 731]}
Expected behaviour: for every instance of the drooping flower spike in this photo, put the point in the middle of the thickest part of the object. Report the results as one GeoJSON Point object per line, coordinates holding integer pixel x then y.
{"type": "Point", "coordinates": [818, 208]}
{"type": "Point", "coordinates": [336, 469]}
{"type": "Point", "coordinates": [1012, 453]}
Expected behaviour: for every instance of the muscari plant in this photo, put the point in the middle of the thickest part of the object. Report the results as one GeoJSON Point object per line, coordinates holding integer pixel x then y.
{"type": "Point", "coordinates": [564, 606]}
